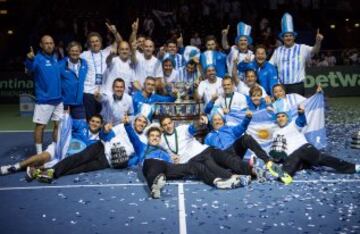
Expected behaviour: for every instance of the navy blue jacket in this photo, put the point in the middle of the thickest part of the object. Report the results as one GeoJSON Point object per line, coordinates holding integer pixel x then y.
{"type": "Point", "coordinates": [139, 99]}
{"type": "Point", "coordinates": [47, 80]}
{"type": "Point", "coordinates": [145, 151]}
{"type": "Point", "coordinates": [72, 86]}
{"type": "Point", "coordinates": [225, 136]}
{"type": "Point", "coordinates": [267, 75]}
{"type": "Point", "coordinates": [252, 106]}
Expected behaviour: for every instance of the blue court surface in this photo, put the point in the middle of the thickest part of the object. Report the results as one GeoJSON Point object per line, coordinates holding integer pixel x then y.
{"type": "Point", "coordinates": [114, 201]}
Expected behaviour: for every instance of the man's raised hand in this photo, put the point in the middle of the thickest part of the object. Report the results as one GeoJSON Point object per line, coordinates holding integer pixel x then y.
{"type": "Point", "coordinates": [135, 25]}
{"type": "Point", "coordinates": [248, 113]}
{"type": "Point", "coordinates": [126, 119]}
{"type": "Point", "coordinates": [108, 127]}
{"type": "Point", "coordinates": [301, 109]}
{"type": "Point", "coordinates": [31, 53]}
{"type": "Point", "coordinates": [111, 28]}
{"type": "Point", "coordinates": [226, 30]}
{"type": "Point", "coordinates": [319, 37]}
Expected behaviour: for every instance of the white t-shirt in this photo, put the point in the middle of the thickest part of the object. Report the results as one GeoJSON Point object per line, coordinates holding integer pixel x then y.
{"type": "Point", "coordinates": [188, 146]}
{"type": "Point", "coordinates": [291, 133]}
{"type": "Point", "coordinates": [291, 62]}
{"type": "Point", "coordinates": [238, 102]}
{"type": "Point", "coordinates": [235, 53]}
{"type": "Point", "coordinates": [207, 89]}
{"type": "Point", "coordinates": [174, 77]}
{"type": "Point", "coordinates": [146, 67]}
{"type": "Point", "coordinates": [96, 65]}
{"type": "Point", "coordinates": [121, 139]}
{"type": "Point", "coordinates": [118, 69]}
{"type": "Point", "coordinates": [114, 111]}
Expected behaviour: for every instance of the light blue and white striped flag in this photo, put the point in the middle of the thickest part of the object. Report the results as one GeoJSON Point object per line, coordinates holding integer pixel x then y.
{"type": "Point", "coordinates": [262, 124]}
{"type": "Point", "coordinates": [64, 137]}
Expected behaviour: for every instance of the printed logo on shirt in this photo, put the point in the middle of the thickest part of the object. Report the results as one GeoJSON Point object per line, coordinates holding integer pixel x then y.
{"type": "Point", "coordinates": [48, 63]}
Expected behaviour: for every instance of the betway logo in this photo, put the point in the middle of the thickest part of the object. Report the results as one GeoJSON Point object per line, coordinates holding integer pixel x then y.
{"type": "Point", "coordinates": [334, 79]}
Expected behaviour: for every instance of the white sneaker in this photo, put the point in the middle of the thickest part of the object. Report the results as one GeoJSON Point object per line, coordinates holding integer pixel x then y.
{"type": "Point", "coordinates": [233, 182]}
{"type": "Point", "coordinates": [357, 168]}
{"type": "Point", "coordinates": [4, 170]}
{"type": "Point", "coordinates": [158, 184]}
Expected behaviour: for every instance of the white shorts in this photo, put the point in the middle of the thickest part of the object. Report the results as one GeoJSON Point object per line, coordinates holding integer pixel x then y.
{"type": "Point", "coordinates": [44, 112]}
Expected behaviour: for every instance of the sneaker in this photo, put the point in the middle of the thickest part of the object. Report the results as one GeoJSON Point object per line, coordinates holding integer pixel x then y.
{"type": "Point", "coordinates": [158, 184]}
{"type": "Point", "coordinates": [276, 171]}
{"type": "Point", "coordinates": [32, 173]}
{"type": "Point", "coordinates": [357, 168]}
{"type": "Point", "coordinates": [234, 181]}
{"type": "Point", "coordinates": [222, 184]}
{"type": "Point", "coordinates": [4, 170]}
{"type": "Point", "coordinates": [12, 169]}
{"type": "Point", "coordinates": [245, 180]}
{"type": "Point", "coordinates": [260, 174]}
{"type": "Point", "coordinates": [46, 176]}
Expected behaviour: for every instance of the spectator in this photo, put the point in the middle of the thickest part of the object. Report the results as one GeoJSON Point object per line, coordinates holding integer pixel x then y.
{"type": "Point", "coordinates": [330, 58]}
{"type": "Point", "coordinates": [195, 40]}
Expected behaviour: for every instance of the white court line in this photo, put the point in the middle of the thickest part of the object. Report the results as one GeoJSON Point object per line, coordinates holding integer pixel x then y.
{"type": "Point", "coordinates": [182, 213]}
{"type": "Point", "coordinates": [328, 181]}
{"type": "Point", "coordinates": [22, 131]}
{"type": "Point", "coordinates": [143, 184]}
{"type": "Point", "coordinates": [83, 186]}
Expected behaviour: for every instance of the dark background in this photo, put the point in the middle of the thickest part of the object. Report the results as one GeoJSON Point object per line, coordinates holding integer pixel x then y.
{"type": "Point", "coordinates": [28, 20]}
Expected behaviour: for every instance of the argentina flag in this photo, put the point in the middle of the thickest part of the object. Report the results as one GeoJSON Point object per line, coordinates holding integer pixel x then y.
{"type": "Point", "coordinates": [64, 137]}
{"type": "Point", "coordinates": [263, 123]}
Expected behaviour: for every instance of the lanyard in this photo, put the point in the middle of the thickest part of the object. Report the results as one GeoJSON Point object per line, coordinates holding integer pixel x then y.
{"type": "Point", "coordinates": [101, 63]}
{"type": "Point", "coordinates": [230, 102]}
{"type": "Point", "coordinates": [176, 141]}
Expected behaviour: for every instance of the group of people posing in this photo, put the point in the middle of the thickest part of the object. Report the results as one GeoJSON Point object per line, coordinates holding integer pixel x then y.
{"type": "Point", "coordinates": [102, 100]}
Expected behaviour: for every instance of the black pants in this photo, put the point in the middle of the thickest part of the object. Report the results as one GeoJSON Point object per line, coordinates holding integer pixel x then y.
{"type": "Point", "coordinates": [153, 167]}
{"type": "Point", "coordinates": [92, 158]}
{"type": "Point", "coordinates": [245, 142]}
{"type": "Point", "coordinates": [218, 161]}
{"type": "Point", "coordinates": [309, 155]}
{"type": "Point", "coordinates": [298, 88]}
{"type": "Point", "coordinates": [91, 105]}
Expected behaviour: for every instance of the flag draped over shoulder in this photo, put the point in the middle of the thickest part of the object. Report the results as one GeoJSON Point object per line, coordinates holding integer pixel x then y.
{"type": "Point", "coordinates": [263, 123]}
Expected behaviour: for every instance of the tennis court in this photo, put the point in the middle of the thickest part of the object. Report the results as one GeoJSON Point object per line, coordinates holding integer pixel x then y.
{"type": "Point", "coordinates": [109, 201]}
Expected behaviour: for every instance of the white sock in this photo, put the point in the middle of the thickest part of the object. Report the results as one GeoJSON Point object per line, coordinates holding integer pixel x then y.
{"type": "Point", "coordinates": [357, 168]}
{"type": "Point", "coordinates": [17, 166]}
{"type": "Point", "coordinates": [38, 148]}
{"type": "Point", "coordinates": [216, 180]}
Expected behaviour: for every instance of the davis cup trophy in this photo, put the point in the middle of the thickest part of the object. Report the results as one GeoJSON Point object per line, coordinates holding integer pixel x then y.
{"type": "Point", "coordinates": [183, 108]}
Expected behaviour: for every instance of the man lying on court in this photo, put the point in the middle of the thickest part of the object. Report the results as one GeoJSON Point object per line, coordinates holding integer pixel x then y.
{"type": "Point", "coordinates": [82, 135]}
{"type": "Point", "coordinates": [291, 148]}
{"type": "Point", "coordinates": [159, 165]}
{"type": "Point", "coordinates": [116, 152]}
